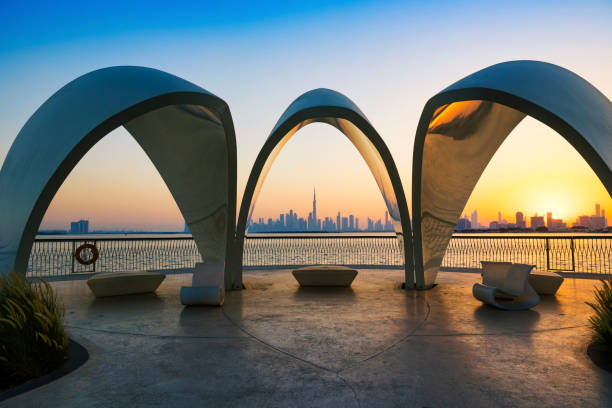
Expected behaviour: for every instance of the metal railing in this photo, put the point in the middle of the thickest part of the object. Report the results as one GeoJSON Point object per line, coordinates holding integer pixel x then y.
{"type": "Point", "coordinates": [56, 256]}
{"type": "Point", "coordinates": [586, 254]}
{"type": "Point", "coordinates": [591, 254]}
{"type": "Point", "coordinates": [364, 251]}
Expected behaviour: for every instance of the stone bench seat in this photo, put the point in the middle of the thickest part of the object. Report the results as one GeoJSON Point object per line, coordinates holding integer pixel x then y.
{"type": "Point", "coordinates": [124, 283]}
{"type": "Point", "coordinates": [325, 275]}
{"type": "Point", "coordinates": [544, 282]}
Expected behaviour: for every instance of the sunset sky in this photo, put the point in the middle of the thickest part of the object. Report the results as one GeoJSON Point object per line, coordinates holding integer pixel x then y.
{"type": "Point", "coordinates": [388, 57]}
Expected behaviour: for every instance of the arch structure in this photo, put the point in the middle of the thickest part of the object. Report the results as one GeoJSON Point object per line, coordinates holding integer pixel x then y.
{"type": "Point", "coordinates": [462, 127]}
{"type": "Point", "coordinates": [186, 131]}
{"type": "Point", "coordinates": [335, 109]}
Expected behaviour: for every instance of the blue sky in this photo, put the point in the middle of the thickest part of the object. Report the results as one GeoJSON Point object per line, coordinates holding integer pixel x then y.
{"type": "Point", "coordinates": [388, 57]}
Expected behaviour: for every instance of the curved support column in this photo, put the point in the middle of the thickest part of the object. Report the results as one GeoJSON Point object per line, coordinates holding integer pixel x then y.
{"type": "Point", "coordinates": [462, 127]}
{"type": "Point", "coordinates": [186, 131]}
{"type": "Point", "coordinates": [335, 109]}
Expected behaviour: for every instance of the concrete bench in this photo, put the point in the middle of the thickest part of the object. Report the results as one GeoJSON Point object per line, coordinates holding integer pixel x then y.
{"type": "Point", "coordinates": [325, 275]}
{"type": "Point", "coordinates": [124, 283]}
{"type": "Point", "coordinates": [544, 282]}
{"type": "Point", "coordinates": [506, 286]}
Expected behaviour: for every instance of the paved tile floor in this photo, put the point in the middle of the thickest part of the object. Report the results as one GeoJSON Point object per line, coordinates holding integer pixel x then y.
{"type": "Point", "coordinates": [374, 344]}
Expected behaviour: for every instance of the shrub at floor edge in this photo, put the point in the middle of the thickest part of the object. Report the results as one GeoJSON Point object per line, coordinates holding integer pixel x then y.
{"type": "Point", "coordinates": [33, 341]}
{"type": "Point", "coordinates": [600, 350]}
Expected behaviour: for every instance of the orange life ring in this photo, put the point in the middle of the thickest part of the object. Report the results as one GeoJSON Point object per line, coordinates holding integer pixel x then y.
{"type": "Point", "coordinates": [94, 251]}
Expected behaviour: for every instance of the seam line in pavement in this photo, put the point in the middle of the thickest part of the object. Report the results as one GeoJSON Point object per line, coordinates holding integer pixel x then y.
{"type": "Point", "coordinates": [286, 353]}
{"type": "Point", "coordinates": [512, 333]}
{"type": "Point", "coordinates": [160, 336]}
{"type": "Point", "coordinates": [389, 347]}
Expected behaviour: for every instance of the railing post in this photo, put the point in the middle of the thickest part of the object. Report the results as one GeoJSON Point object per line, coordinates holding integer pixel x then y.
{"type": "Point", "coordinates": [547, 255]}
{"type": "Point", "coordinates": [573, 258]}
{"type": "Point", "coordinates": [94, 264]}
{"type": "Point", "coordinates": [72, 256]}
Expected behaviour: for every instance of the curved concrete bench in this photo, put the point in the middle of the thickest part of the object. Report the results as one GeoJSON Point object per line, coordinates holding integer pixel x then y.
{"type": "Point", "coordinates": [506, 286]}
{"type": "Point", "coordinates": [124, 283]}
{"type": "Point", "coordinates": [544, 282]}
{"type": "Point", "coordinates": [325, 275]}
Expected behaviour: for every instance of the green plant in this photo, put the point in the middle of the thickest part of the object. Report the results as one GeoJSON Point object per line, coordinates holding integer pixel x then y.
{"type": "Point", "coordinates": [33, 340]}
{"type": "Point", "coordinates": [601, 321]}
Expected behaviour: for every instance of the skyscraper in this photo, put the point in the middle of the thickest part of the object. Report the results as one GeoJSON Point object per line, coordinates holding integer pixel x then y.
{"type": "Point", "coordinates": [597, 210]}
{"type": "Point", "coordinates": [537, 222]}
{"type": "Point", "coordinates": [475, 224]}
{"type": "Point", "coordinates": [520, 220]}
{"type": "Point", "coordinates": [314, 207]}
{"type": "Point", "coordinates": [79, 227]}
{"type": "Point", "coordinates": [338, 222]}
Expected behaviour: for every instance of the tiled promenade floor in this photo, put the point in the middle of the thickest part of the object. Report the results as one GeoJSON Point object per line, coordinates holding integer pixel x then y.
{"type": "Point", "coordinates": [275, 344]}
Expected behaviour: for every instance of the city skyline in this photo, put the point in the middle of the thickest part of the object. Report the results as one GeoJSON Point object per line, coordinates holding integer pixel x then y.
{"type": "Point", "coordinates": [596, 221]}
{"type": "Point", "coordinates": [290, 221]}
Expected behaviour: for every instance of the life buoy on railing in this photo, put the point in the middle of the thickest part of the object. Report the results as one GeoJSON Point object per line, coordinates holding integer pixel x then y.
{"type": "Point", "coordinates": [94, 254]}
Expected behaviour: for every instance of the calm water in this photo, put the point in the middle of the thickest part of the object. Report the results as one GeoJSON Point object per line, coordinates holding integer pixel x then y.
{"type": "Point", "coordinates": [53, 255]}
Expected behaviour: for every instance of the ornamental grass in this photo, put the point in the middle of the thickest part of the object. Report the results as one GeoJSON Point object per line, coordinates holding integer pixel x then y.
{"type": "Point", "coordinates": [601, 321]}
{"type": "Point", "coordinates": [33, 340]}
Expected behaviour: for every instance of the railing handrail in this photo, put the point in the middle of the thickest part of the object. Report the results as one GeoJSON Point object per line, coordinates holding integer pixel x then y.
{"type": "Point", "coordinates": [308, 235]}
{"type": "Point", "coordinates": [531, 236]}
{"type": "Point", "coordinates": [82, 238]}
{"type": "Point", "coordinates": [364, 236]}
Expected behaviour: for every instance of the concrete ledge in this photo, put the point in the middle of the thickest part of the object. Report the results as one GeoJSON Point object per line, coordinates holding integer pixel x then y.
{"type": "Point", "coordinates": [325, 275]}
{"type": "Point", "coordinates": [78, 355]}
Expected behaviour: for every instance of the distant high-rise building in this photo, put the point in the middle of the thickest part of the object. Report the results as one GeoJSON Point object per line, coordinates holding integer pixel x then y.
{"type": "Point", "coordinates": [557, 225]}
{"type": "Point", "coordinates": [593, 222]}
{"type": "Point", "coordinates": [519, 217]}
{"type": "Point", "coordinates": [378, 225]}
{"type": "Point", "coordinates": [351, 222]}
{"type": "Point", "coordinates": [463, 224]}
{"type": "Point", "coordinates": [520, 220]}
{"type": "Point", "coordinates": [314, 208]}
{"type": "Point", "coordinates": [537, 222]}
{"type": "Point", "coordinates": [499, 219]}
{"type": "Point", "coordinates": [344, 223]}
{"type": "Point", "coordinates": [554, 224]}
{"type": "Point", "coordinates": [186, 229]}
{"type": "Point", "coordinates": [475, 224]}
{"type": "Point", "coordinates": [388, 225]}
{"type": "Point", "coordinates": [338, 224]}
{"type": "Point", "coordinates": [357, 224]}
{"type": "Point", "coordinates": [79, 227]}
